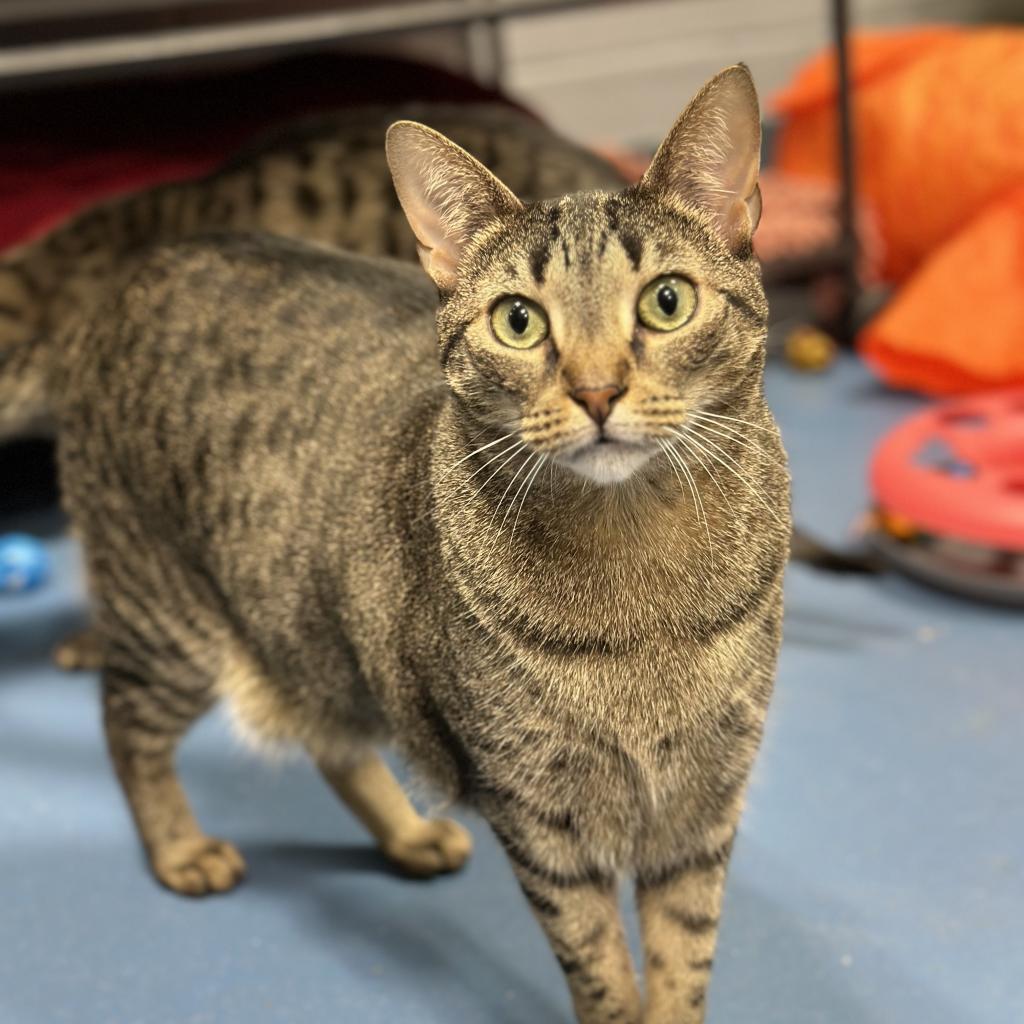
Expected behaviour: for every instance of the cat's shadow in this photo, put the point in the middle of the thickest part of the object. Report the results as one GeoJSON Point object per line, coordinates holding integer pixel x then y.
{"type": "Point", "coordinates": [270, 859]}
{"type": "Point", "coordinates": [315, 879]}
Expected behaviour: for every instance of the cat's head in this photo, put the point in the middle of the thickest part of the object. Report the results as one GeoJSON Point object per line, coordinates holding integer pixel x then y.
{"type": "Point", "coordinates": [590, 327]}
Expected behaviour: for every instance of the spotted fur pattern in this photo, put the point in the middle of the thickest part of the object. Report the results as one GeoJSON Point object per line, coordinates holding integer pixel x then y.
{"type": "Point", "coordinates": [290, 471]}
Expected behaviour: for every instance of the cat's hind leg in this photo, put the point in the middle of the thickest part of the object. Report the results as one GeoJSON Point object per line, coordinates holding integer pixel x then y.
{"type": "Point", "coordinates": [419, 846]}
{"type": "Point", "coordinates": [144, 719]}
{"type": "Point", "coordinates": [79, 652]}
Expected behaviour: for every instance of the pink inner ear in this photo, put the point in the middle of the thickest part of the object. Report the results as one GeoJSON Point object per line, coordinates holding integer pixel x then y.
{"type": "Point", "coordinates": [438, 249]}
{"type": "Point", "coordinates": [712, 155]}
{"type": "Point", "coordinates": [754, 207]}
{"type": "Point", "coordinates": [438, 243]}
{"type": "Point", "coordinates": [737, 222]}
{"type": "Point", "coordinates": [736, 199]}
{"type": "Point", "coordinates": [446, 194]}
{"type": "Point", "coordinates": [438, 263]}
{"type": "Point", "coordinates": [426, 224]}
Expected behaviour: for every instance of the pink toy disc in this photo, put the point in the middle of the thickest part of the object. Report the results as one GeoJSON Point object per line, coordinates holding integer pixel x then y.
{"type": "Point", "coordinates": [957, 470]}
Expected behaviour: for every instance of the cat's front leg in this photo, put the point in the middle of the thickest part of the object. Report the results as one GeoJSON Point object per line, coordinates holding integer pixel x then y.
{"type": "Point", "coordinates": [679, 902]}
{"type": "Point", "coordinates": [577, 906]}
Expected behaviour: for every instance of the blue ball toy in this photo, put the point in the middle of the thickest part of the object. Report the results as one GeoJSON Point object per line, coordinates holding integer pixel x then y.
{"type": "Point", "coordinates": [24, 563]}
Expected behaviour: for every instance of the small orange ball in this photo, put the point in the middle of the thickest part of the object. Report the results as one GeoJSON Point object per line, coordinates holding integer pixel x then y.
{"type": "Point", "coordinates": [810, 349]}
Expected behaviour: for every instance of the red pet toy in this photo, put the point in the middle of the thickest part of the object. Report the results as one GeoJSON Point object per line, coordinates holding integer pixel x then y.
{"type": "Point", "coordinates": [948, 485]}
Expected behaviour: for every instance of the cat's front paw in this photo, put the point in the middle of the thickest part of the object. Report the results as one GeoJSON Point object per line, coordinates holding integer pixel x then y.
{"type": "Point", "coordinates": [198, 866]}
{"type": "Point", "coordinates": [433, 847]}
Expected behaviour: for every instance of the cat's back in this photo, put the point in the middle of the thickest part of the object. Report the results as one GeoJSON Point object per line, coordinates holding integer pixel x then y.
{"type": "Point", "coordinates": [224, 361]}
{"type": "Point", "coordinates": [197, 325]}
{"type": "Point", "coordinates": [294, 291]}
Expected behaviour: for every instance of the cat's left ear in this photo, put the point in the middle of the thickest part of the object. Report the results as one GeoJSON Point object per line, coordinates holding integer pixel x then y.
{"type": "Point", "coordinates": [447, 196]}
{"type": "Point", "coordinates": [712, 156]}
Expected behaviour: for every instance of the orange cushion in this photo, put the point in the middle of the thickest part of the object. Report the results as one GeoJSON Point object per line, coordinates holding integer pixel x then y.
{"type": "Point", "coordinates": [939, 117]}
{"type": "Point", "coordinates": [958, 323]}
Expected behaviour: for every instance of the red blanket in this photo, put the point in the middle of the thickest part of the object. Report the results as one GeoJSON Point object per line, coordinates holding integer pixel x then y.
{"type": "Point", "coordinates": [62, 150]}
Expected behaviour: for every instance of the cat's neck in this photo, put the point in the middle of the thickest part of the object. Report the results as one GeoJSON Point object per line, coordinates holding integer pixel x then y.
{"type": "Point", "coordinates": [485, 475]}
{"type": "Point", "coordinates": [541, 537]}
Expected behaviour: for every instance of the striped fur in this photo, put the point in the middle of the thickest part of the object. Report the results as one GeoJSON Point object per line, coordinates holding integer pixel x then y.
{"type": "Point", "coordinates": [287, 502]}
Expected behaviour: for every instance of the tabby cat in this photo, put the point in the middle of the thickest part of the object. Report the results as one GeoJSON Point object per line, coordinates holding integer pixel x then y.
{"type": "Point", "coordinates": [529, 525]}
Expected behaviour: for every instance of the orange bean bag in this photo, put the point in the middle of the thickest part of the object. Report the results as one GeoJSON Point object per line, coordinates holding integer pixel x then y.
{"type": "Point", "coordinates": [958, 324]}
{"type": "Point", "coordinates": [939, 116]}
{"type": "Point", "coordinates": [939, 119]}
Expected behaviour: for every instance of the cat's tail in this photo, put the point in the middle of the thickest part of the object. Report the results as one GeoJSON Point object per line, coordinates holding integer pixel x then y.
{"type": "Point", "coordinates": [812, 552]}
{"type": "Point", "coordinates": [46, 285]}
{"type": "Point", "coordinates": [24, 352]}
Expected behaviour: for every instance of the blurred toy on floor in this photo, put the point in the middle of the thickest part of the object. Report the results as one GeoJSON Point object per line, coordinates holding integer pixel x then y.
{"type": "Point", "coordinates": [24, 564]}
{"type": "Point", "coordinates": [810, 348]}
{"type": "Point", "coordinates": [948, 489]}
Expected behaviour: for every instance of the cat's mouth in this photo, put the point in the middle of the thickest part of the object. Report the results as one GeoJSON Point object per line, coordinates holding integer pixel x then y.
{"type": "Point", "coordinates": [607, 460]}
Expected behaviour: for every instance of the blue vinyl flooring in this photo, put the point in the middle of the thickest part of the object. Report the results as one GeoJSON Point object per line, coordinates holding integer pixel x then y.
{"type": "Point", "coordinates": [879, 875]}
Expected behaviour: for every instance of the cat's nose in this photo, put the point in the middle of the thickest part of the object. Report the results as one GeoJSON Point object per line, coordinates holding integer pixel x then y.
{"type": "Point", "coordinates": [597, 401]}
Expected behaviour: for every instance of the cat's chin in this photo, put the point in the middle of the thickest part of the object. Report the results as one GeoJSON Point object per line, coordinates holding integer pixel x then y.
{"type": "Point", "coordinates": [609, 463]}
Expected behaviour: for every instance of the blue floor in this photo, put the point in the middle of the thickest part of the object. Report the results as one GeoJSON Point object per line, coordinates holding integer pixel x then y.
{"type": "Point", "coordinates": [879, 876]}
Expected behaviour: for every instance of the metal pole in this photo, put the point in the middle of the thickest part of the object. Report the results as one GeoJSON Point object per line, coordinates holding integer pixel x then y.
{"type": "Point", "coordinates": [848, 245]}
{"type": "Point", "coordinates": [486, 56]}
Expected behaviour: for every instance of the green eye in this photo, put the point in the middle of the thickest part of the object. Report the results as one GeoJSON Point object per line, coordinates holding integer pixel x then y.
{"type": "Point", "coordinates": [518, 322]}
{"type": "Point", "coordinates": [666, 303]}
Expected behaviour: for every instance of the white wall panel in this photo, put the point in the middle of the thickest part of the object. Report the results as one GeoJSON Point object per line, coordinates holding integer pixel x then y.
{"type": "Point", "coordinates": [622, 72]}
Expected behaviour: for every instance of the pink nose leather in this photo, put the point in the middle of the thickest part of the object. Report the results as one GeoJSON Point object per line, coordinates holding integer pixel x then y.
{"type": "Point", "coordinates": [597, 401]}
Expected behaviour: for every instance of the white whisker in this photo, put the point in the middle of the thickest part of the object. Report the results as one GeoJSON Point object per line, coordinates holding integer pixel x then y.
{"type": "Point", "coordinates": [477, 451]}
{"type": "Point", "coordinates": [529, 484]}
{"type": "Point", "coordinates": [714, 452]}
{"type": "Point", "coordinates": [510, 448]}
{"type": "Point", "coordinates": [664, 447]}
{"type": "Point", "coordinates": [732, 434]}
{"type": "Point", "coordinates": [516, 448]}
{"type": "Point", "coordinates": [501, 500]}
{"type": "Point", "coordinates": [733, 419]}
{"type": "Point", "coordinates": [691, 450]}
{"type": "Point", "coordinates": [698, 502]}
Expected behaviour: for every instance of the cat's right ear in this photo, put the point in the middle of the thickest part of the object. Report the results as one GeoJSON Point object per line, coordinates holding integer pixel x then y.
{"type": "Point", "coordinates": [447, 196]}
